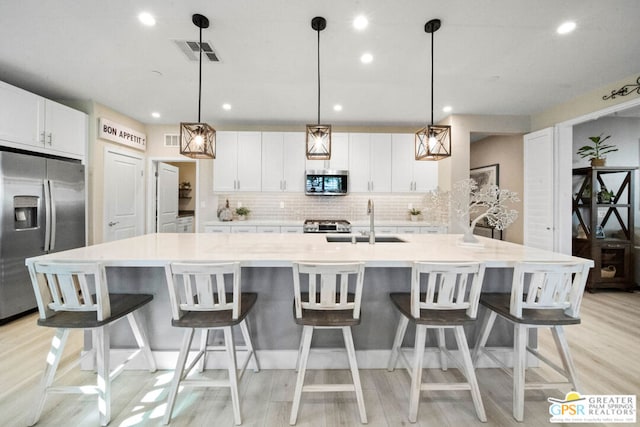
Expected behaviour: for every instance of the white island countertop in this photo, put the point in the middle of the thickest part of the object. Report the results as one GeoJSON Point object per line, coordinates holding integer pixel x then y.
{"type": "Point", "coordinates": [279, 250]}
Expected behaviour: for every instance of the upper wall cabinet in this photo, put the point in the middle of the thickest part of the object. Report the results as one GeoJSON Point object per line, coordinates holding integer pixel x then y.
{"type": "Point", "coordinates": [339, 154]}
{"type": "Point", "coordinates": [238, 162]}
{"type": "Point", "coordinates": [369, 162]}
{"type": "Point", "coordinates": [283, 161]}
{"type": "Point", "coordinates": [408, 174]}
{"type": "Point", "coordinates": [41, 124]}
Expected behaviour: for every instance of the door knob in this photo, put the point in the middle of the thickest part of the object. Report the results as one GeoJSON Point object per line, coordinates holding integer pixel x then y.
{"type": "Point", "coordinates": [112, 223]}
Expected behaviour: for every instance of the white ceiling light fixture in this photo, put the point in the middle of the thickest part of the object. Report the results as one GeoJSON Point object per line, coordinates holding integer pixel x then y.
{"type": "Point", "coordinates": [226, 107]}
{"type": "Point", "coordinates": [155, 115]}
{"type": "Point", "coordinates": [360, 22]}
{"type": "Point", "coordinates": [566, 27]}
{"type": "Point", "coordinates": [433, 142]}
{"type": "Point", "coordinates": [337, 107]}
{"type": "Point", "coordinates": [447, 108]}
{"type": "Point", "coordinates": [318, 136]}
{"type": "Point", "coordinates": [366, 58]}
{"type": "Point", "coordinates": [198, 140]}
{"type": "Point", "coordinates": [147, 19]}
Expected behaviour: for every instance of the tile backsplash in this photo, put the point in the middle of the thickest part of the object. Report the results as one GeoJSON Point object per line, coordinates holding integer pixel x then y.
{"type": "Point", "coordinates": [352, 207]}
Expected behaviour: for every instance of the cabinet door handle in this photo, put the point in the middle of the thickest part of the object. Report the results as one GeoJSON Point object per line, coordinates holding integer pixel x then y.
{"type": "Point", "coordinates": [238, 184]}
{"type": "Point", "coordinates": [285, 184]}
{"type": "Point", "coordinates": [371, 185]}
{"type": "Point", "coordinates": [50, 138]}
{"type": "Point", "coordinates": [42, 137]}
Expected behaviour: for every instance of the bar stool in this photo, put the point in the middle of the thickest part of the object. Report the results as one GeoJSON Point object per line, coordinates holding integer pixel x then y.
{"type": "Point", "coordinates": [327, 303]}
{"type": "Point", "coordinates": [76, 296]}
{"type": "Point", "coordinates": [542, 295]}
{"type": "Point", "coordinates": [200, 300]}
{"type": "Point", "coordinates": [449, 301]}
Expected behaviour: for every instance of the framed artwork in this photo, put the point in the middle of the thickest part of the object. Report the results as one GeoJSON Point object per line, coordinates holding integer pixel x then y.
{"type": "Point", "coordinates": [486, 175]}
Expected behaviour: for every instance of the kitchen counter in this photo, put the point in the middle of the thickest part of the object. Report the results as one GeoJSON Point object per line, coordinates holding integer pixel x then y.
{"type": "Point", "coordinates": [134, 265]}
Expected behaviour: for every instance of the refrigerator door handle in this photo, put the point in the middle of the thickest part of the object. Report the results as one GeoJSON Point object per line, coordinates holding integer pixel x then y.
{"type": "Point", "coordinates": [47, 216]}
{"type": "Point", "coordinates": [52, 201]}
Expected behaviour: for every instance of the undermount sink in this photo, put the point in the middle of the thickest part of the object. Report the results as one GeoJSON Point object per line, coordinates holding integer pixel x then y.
{"type": "Point", "coordinates": [364, 239]}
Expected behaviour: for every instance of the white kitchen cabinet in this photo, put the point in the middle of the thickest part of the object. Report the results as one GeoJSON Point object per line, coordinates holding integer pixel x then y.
{"type": "Point", "coordinates": [339, 154]}
{"type": "Point", "coordinates": [243, 229]}
{"type": "Point", "coordinates": [360, 229]}
{"type": "Point", "coordinates": [370, 162]}
{"type": "Point", "coordinates": [408, 174]}
{"type": "Point", "coordinates": [409, 230]}
{"type": "Point", "coordinates": [291, 229]}
{"type": "Point", "coordinates": [217, 229]}
{"type": "Point", "coordinates": [435, 229]}
{"type": "Point", "coordinates": [237, 166]}
{"type": "Point", "coordinates": [29, 119]}
{"type": "Point", "coordinates": [185, 224]}
{"type": "Point", "coordinates": [267, 229]}
{"type": "Point", "coordinates": [283, 161]}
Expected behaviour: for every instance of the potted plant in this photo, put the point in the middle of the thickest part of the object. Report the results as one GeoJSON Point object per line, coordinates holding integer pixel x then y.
{"type": "Point", "coordinates": [596, 151]}
{"type": "Point", "coordinates": [414, 214]}
{"type": "Point", "coordinates": [242, 213]}
{"type": "Point", "coordinates": [184, 189]}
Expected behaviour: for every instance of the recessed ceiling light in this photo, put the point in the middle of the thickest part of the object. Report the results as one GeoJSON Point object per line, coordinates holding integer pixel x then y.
{"type": "Point", "coordinates": [226, 107]}
{"type": "Point", "coordinates": [337, 107]}
{"type": "Point", "coordinates": [147, 19]}
{"type": "Point", "coordinates": [447, 108]}
{"type": "Point", "coordinates": [366, 58]}
{"type": "Point", "coordinates": [360, 22]}
{"type": "Point", "coordinates": [155, 115]}
{"type": "Point", "coordinates": [566, 27]}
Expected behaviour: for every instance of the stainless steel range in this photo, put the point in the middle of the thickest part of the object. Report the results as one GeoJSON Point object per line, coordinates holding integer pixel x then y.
{"type": "Point", "coordinates": [326, 226]}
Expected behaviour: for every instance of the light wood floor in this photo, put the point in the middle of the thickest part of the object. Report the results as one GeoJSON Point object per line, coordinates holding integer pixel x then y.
{"type": "Point", "coordinates": [605, 347]}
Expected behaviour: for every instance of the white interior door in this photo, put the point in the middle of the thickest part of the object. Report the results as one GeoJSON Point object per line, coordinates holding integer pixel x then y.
{"type": "Point", "coordinates": [123, 196]}
{"type": "Point", "coordinates": [167, 198]}
{"type": "Point", "coordinates": [539, 189]}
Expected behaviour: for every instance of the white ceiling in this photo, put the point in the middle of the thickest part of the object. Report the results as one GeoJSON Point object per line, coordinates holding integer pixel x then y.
{"type": "Point", "coordinates": [491, 57]}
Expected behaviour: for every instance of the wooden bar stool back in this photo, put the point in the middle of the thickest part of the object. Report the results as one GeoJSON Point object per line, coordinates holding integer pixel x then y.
{"type": "Point", "coordinates": [76, 296]}
{"type": "Point", "coordinates": [443, 296]}
{"type": "Point", "coordinates": [542, 295]}
{"type": "Point", "coordinates": [207, 296]}
{"type": "Point", "coordinates": [327, 296]}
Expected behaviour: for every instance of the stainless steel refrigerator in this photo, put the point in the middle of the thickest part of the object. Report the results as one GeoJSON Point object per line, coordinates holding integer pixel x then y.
{"type": "Point", "coordinates": [42, 211]}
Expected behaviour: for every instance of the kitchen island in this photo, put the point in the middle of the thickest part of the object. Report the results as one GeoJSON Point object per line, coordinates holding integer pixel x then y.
{"type": "Point", "coordinates": [135, 265]}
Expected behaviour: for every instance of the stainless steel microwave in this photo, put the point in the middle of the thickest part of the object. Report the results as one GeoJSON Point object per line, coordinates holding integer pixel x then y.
{"type": "Point", "coordinates": [326, 182]}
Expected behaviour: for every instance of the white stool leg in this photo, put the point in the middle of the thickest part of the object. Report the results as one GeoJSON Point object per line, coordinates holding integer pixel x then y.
{"type": "Point", "coordinates": [300, 351]}
{"type": "Point", "coordinates": [355, 374]}
{"type": "Point", "coordinates": [142, 340]}
{"type": "Point", "coordinates": [416, 374]}
{"type": "Point", "coordinates": [307, 333]}
{"type": "Point", "coordinates": [177, 374]}
{"type": "Point", "coordinates": [563, 348]}
{"type": "Point", "coordinates": [485, 330]}
{"type": "Point", "coordinates": [104, 380]}
{"type": "Point", "coordinates": [443, 348]}
{"type": "Point", "coordinates": [204, 338]}
{"type": "Point", "coordinates": [57, 347]}
{"type": "Point", "coordinates": [397, 343]}
{"type": "Point", "coordinates": [519, 365]}
{"type": "Point", "coordinates": [470, 373]}
{"type": "Point", "coordinates": [244, 327]}
{"type": "Point", "coordinates": [233, 373]}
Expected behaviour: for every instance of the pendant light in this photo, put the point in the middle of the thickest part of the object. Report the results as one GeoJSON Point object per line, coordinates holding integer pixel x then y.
{"type": "Point", "coordinates": [318, 136]}
{"type": "Point", "coordinates": [198, 140]}
{"type": "Point", "coordinates": [433, 142]}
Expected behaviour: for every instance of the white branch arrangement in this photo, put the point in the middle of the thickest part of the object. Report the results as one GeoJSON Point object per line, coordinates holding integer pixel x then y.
{"type": "Point", "coordinates": [489, 201]}
{"type": "Point", "coordinates": [437, 204]}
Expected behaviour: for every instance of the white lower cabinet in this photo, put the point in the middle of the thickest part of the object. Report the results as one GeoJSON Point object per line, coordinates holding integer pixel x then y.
{"type": "Point", "coordinates": [185, 224]}
{"type": "Point", "coordinates": [243, 228]}
{"type": "Point", "coordinates": [291, 229]}
{"type": "Point", "coordinates": [434, 230]}
{"type": "Point", "coordinates": [267, 229]}
{"type": "Point", "coordinates": [217, 229]}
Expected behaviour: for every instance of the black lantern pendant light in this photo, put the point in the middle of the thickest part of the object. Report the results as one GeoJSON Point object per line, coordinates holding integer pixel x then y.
{"type": "Point", "coordinates": [433, 142]}
{"type": "Point", "coordinates": [198, 140]}
{"type": "Point", "coordinates": [318, 136]}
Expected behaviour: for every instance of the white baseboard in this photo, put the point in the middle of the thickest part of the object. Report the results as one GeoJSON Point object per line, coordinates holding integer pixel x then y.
{"type": "Point", "coordinates": [328, 358]}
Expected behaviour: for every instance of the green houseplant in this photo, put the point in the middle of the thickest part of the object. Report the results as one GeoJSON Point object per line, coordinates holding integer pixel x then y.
{"type": "Point", "coordinates": [597, 150]}
{"type": "Point", "coordinates": [242, 213]}
{"type": "Point", "coordinates": [414, 214]}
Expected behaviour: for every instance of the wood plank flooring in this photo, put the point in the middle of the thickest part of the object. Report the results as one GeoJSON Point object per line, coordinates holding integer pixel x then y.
{"type": "Point", "coordinates": [605, 347]}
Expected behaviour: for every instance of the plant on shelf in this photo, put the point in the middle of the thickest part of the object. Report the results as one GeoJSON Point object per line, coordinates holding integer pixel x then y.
{"type": "Point", "coordinates": [597, 150]}
{"type": "Point", "coordinates": [184, 189]}
{"type": "Point", "coordinates": [414, 214]}
{"type": "Point", "coordinates": [605, 195]}
{"type": "Point", "coordinates": [242, 213]}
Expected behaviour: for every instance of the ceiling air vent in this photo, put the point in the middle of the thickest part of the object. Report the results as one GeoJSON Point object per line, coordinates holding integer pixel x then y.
{"type": "Point", "coordinates": [191, 49]}
{"type": "Point", "coordinates": [171, 139]}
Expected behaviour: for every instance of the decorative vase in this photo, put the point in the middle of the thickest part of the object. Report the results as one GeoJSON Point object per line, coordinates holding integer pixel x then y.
{"type": "Point", "coordinates": [242, 217]}
{"type": "Point", "coordinates": [414, 217]}
{"type": "Point", "coordinates": [469, 239]}
{"type": "Point", "coordinates": [598, 162]}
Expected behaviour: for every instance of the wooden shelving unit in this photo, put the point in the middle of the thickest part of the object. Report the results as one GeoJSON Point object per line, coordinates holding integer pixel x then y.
{"type": "Point", "coordinates": [604, 229]}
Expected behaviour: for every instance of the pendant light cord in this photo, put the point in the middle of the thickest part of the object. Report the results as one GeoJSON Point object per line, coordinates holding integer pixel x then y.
{"type": "Point", "coordinates": [200, 77]}
{"type": "Point", "coordinates": [318, 31]}
{"type": "Point", "coordinates": [432, 78]}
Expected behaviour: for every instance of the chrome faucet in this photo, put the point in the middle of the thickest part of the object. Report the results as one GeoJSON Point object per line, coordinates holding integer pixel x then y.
{"type": "Point", "coordinates": [372, 233]}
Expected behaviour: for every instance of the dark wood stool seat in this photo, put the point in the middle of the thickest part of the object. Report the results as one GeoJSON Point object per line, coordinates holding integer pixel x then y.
{"type": "Point", "coordinates": [217, 319]}
{"type": "Point", "coordinates": [402, 301]}
{"type": "Point", "coordinates": [501, 303]}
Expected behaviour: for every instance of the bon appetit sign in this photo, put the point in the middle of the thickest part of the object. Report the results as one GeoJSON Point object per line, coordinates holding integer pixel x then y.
{"type": "Point", "coordinates": [122, 135]}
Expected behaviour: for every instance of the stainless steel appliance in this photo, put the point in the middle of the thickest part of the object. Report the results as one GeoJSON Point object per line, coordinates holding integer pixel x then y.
{"type": "Point", "coordinates": [326, 226]}
{"type": "Point", "coordinates": [326, 182]}
{"type": "Point", "coordinates": [42, 211]}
